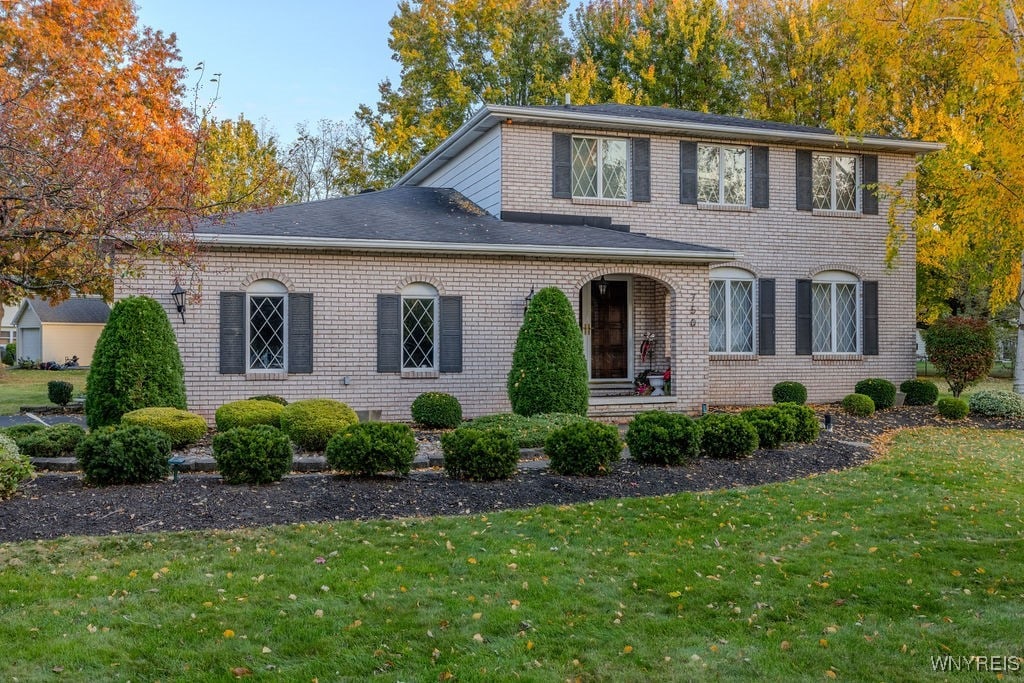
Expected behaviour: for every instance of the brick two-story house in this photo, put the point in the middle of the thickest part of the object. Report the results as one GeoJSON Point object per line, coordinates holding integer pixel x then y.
{"type": "Point", "coordinates": [750, 252]}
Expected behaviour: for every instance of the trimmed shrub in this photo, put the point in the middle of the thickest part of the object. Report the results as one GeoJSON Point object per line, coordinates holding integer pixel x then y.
{"type": "Point", "coordinates": [436, 410]}
{"type": "Point", "coordinates": [9, 354]}
{"type": "Point", "coordinates": [479, 455]}
{"type": "Point", "coordinates": [588, 448]}
{"type": "Point", "coordinates": [248, 413]}
{"type": "Point", "coordinates": [807, 425]}
{"type": "Point", "coordinates": [312, 423]}
{"type": "Point", "coordinates": [996, 403]}
{"type": "Point", "coordinates": [136, 364]}
{"type": "Point", "coordinates": [528, 432]}
{"type": "Point", "coordinates": [952, 408]}
{"type": "Point", "coordinates": [789, 392]}
{"type": "Point", "coordinates": [369, 448]}
{"type": "Point", "coordinates": [774, 426]}
{"type": "Point", "coordinates": [920, 392]}
{"type": "Point", "coordinates": [659, 438]}
{"type": "Point", "coordinates": [58, 441]}
{"type": "Point", "coordinates": [18, 431]}
{"type": "Point", "coordinates": [549, 369]}
{"type": "Point", "coordinates": [724, 435]}
{"type": "Point", "coordinates": [182, 427]}
{"type": "Point", "coordinates": [14, 467]}
{"type": "Point", "coordinates": [59, 392]}
{"type": "Point", "coordinates": [858, 404]}
{"type": "Point", "coordinates": [269, 397]}
{"type": "Point", "coordinates": [881, 391]}
{"type": "Point", "coordinates": [963, 349]}
{"type": "Point", "coordinates": [129, 454]}
{"type": "Point", "coordinates": [252, 455]}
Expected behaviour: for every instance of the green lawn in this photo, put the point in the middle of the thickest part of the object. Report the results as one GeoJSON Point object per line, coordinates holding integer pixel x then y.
{"type": "Point", "coordinates": [861, 575]}
{"type": "Point", "coordinates": [28, 387]}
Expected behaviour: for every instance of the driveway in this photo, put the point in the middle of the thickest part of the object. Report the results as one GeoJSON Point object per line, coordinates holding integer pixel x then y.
{"type": "Point", "coordinates": [11, 420]}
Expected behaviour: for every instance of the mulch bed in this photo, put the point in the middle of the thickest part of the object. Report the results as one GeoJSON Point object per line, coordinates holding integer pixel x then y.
{"type": "Point", "coordinates": [54, 505]}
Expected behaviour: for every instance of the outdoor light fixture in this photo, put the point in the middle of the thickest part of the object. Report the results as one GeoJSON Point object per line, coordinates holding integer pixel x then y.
{"type": "Point", "coordinates": [178, 294]}
{"type": "Point", "coordinates": [602, 286]}
{"type": "Point", "coordinates": [527, 300]}
{"type": "Point", "coordinates": [828, 422]}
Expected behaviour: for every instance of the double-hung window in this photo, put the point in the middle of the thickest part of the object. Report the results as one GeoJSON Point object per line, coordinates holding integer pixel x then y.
{"type": "Point", "coordinates": [266, 313]}
{"type": "Point", "coordinates": [600, 167]}
{"type": "Point", "coordinates": [834, 311]}
{"type": "Point", "coordinates": [722, 174]}
{"type": "Point", "coordinates": [834, 182]}
{"type": "Point", "coordinates": [419, 327]}
{"type": "Point", "coordinates": [731, 311]}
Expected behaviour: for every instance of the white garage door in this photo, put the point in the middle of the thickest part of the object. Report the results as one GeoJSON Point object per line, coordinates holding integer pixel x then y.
{"type": "Point", "coordinates": [30, 343]}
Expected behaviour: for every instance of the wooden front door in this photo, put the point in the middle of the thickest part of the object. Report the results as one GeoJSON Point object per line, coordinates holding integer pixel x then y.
{"type": "Point", "coordinates": [609, 342]}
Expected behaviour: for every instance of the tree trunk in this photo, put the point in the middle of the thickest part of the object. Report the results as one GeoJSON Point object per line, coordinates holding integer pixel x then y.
{"type": "Point", "coordinates": [1018, 364]}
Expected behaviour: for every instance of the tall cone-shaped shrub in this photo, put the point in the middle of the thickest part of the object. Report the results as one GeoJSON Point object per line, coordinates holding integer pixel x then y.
{"type": "Point", "coordinates": [549, 370]}
{"type": "Point", "coordinates": [136, 364]}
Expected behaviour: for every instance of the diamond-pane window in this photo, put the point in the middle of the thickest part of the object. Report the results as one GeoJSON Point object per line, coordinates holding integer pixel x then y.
{"type": "Point", "coordinates": [719, 321]}
{"type": "Point", "coordinates": [846, 183]}
{"type": "Point", "coordinates": [731, 308]}
{"type": "Point", "coordinates": [846, 318]}
{"type": "Point", "coordinates": [708, 174]}
{"type": "Point", "coordinates": [834, 317]}
{"type": "Point", "coordinates": [266, 332]}
{"type": "Point", "coordinates": [600, 168]}
{"type": "Point", "coordinates": [418, 333]}
{"type": "Point", "coordinates": [834, 182]}
{"type": "Point", "coordinates": [821, 316]}
{"type": "Point", "coordinates": [584, 167]}
{"type": "Point", "coordinates": [721, 175]}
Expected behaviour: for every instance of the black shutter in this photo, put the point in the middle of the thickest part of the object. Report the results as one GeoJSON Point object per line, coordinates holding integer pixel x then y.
{"type": "Point", "coordinates": [641, 149]}
{"type": "Point", "coordinates": [300, 333]}
{"type": "Point", "coordinates": [687, 172]}
{"type": "Point", "coordinates": [803, 317]}
{"type": "Point", "coordinates": [561, 165]}
{"type": "Point", "coordinates": [232, 333]}
{"type": "Point", "coordinates": [766, 317]}
{"type": "Point", "coordinates": [389, 333]}
{"type": "Point", "coordinates": [759, 177]}
{"type": "Point", "coordinates": [804, 189]}
{"type": "Point", "coordinates": [869, 176]}
{"type": "Point", "coordinates": [451, 334]}
{"type": "Point", "coordinates": [869, 299]}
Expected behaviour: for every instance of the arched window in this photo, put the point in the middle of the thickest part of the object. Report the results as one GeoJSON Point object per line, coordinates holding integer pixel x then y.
{"type": "Point", "coordinates": [731, 308]}
{"type": "Point", "coordinates": [266, 304]}
{"type": "Point", "coordinates": [835, 312]}
{"type": "Point", "coordinates": [419, 327]}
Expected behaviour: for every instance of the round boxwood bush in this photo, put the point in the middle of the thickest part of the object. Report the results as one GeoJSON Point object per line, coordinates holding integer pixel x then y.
{"type": "Point", "coordinates": [436, 410]}
{"type": "Point", "coordinates": [724, 435]}
{"type": "Point", "coordinates": [248, 413]}
{"type": "Point", "coordinates": [807, 425]}
{"type": "Point", "coordinates": [920, 392]}
{"type": "Point", "coordinates": [881, 391]}
{"type": "Point", "coordinates": [128, 454]}
{"type": "Point", "coordinates": [369, 448]}
{"type": "Point", "coordinates": [858, 404]}
{"type": "Point", "coordinates": [774, 426]}
{"type": "Point", "coordinates": [182, 427]}
{"type": "Point", "coordinates": [269, 397]}
{"type": "Point", "coordinates": [587, 448]}
{"type": "Point", "coordinates": [58, 441]}
{"type": "Point", "coordinates": [996, 403]}
{"type": "Point", "coordinates": [59, 392]}
{"type": "Point", "coordinates": [549, 368]}
{"type": "Point", "coordinates": [14, 467]}
{"type": "Point", "coordinates": [789, 392]}
{"type": "Point", "coordinates": [252, 455]}
{"type": "Point", "coordinates": [135, 365]}
{"type": "Point", "coordinates": [479, 455]}
{"type": "Point", "coordinates": [312, 423]}
{"type": "Point", "coordinates": [659, 438]}
{"type": "Point", "coordinates": [952, 408]}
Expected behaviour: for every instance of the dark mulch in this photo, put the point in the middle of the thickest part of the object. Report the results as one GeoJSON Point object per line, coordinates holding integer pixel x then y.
{"type": "Point", "coordinates": [58, 504]}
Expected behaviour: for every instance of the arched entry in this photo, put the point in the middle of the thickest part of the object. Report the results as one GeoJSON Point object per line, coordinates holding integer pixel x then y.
{"type": "Point", "coordinates": [606, 309]}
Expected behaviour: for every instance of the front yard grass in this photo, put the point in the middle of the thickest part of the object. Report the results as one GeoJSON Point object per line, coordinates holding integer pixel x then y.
{"type": "Point", "coordinates": [28, 387]}
{"type": "Point", "coordinates": [866, 574]}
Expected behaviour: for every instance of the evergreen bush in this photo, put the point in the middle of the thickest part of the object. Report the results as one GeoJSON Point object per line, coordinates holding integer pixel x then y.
{"type": "Point", "coordinates": [182, 428]}
{"type": "Point", "coordinates": [269, 397]}
{"type": "Point", "coordinates": [724, 435]}
{"type": "Point", "coordinates": [858, 404]}
{"type": "Point", "coordinates": [996, 403]}
{"type": "Point", "coordinates": [789, 392]}
{"type": "Point", "coordinates": [881, 391]}
{"type": "Point", "coordinates": [14, 467]}
{"type": "Point", "coordinates": [660, 438]}
{"type": "Point", "coordinates": [135, 365]}
{"type": "Point", "coordinates": [963, 349]}
{"type": "Point", "coordinates": [312, 423]}
{"type": "Point", "coordinates": [252, 455]}
{"type": "Point", "coordinates": [774, 425]}
{"type": "Point", "coordinates": [9, 354]}
{"type": "Point", "coordinates": [436, 410]}
{"type": "Point", "coordinates": [549, 369]}
{"type": "Point", "coordinates": [479, 455]}
{"type": "Point", "coordinates": [128, 454]}
{"type": "Point", "coordinates": [58, 441]}
{"type": "Point", "coordinates": [807, 425]}
{"type": "Point", "coordinates": [587, 448]}
{"type": "Point", "coordinates": [248, 413]}
{"type": "Point", "coordinates": [952, 408]}
{"type": "Point", "coordinates": [920, 392]}
{"type": "Point", "coordinates": [59, 392]}
{"type": "Point", "coordinates": [18, 431]}
{"type": "Point", "coordinates": [369, 448]}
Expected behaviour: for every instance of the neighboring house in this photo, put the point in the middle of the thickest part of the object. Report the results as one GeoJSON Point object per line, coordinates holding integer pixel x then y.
{"type": "Point", "coordinates": [8, 330]}
{"type": "Point", "coordinates": [750, 252]}
{"type": "Point", "coordinates": [55, 333]}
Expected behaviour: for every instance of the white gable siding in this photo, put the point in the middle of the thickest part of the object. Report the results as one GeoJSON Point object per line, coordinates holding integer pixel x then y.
{"type": "Point", "coordinates": [475, 172]}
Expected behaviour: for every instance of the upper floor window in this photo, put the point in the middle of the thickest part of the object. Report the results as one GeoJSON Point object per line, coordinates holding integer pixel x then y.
{"type": "Point", "coordinates": [731, 311]}
{"type": "Point", "coordinates": [834, 181]}
{"type": "Point", "coordinates": [600, 167]}
{"type": "Point", "coordinates": [419, 327]}
{"type": "Point", "coordinates": [722, 175]}
{"type": "Point", "coordinates": [266, 313]}
{"type": "Point", "coordinates": [834, 310]}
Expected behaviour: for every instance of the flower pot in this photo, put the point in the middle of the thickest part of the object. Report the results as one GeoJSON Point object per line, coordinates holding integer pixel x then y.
{"type": "Point", "coordinates": [658, 384]}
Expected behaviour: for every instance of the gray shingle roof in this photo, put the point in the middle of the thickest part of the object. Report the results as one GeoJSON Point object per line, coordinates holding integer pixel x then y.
{"type": "Point", "coordinates": [73, 310]}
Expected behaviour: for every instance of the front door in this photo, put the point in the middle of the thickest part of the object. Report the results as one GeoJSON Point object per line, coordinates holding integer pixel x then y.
{"type": "Point", "coordinates": [609, 336]}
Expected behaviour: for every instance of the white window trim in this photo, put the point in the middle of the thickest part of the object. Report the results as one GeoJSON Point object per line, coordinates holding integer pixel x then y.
{"type": "Point", "coordinates": [721, 176]}
{"type": "Point", "coordinates": [730, 275]}
{"type": "Point", "coordinates": [600, 169]}
{"type": "Point", "coordinates": [833, 278]}
{"type": "Point", "coordinates": [831, 209]}
{"type": "Point", "coordinates": [420, 290]}
{"type": "Point", "coordinates": [267, 289]}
